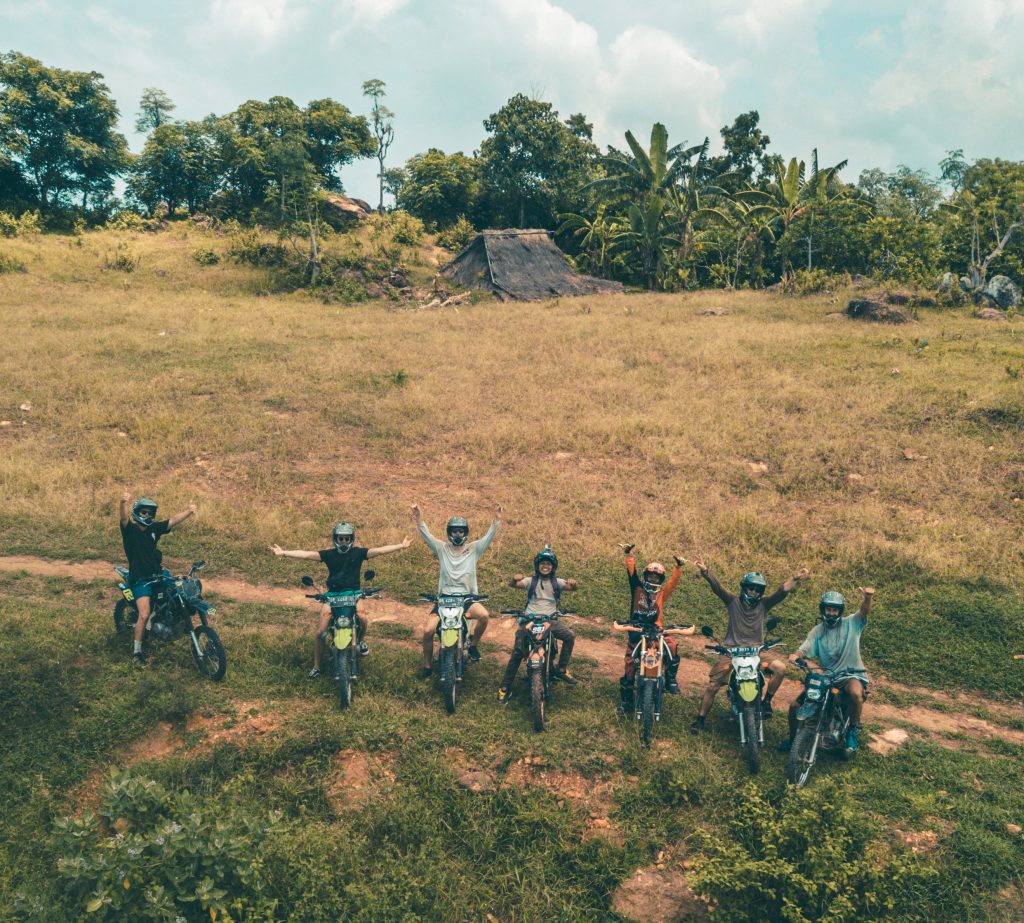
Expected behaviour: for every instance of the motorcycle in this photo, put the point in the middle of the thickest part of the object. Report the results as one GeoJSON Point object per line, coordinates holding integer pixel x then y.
{"type": "Point", "coordinates": [541, 654]}
{"type": "Point", "coordinates": [340, 638]}
{"type": "Point", "coordinates": [649, 655]}
{"type": "Point", "coordinates": [453, 640]}
{"type": "Point", "coordinates": [175, 605]}
{"type": "Point", "coordinates": [823, 720]}
{"type": "Point", "coordinates": [746, 685]}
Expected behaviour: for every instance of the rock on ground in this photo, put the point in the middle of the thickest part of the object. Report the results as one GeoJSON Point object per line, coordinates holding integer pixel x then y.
{"type": "Point", "coordinates": [658, 895]}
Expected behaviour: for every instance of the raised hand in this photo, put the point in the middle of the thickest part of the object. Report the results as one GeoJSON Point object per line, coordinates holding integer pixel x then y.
{"type": "Point", "coordinates": [698, 562]}
{"type": "Point", "coordinates": [405, 543]}
{"type": "Point", "coordinates": [626, 549]}
{"type": "Point", "coordinates": [416, 514]}
{"type": "Point", "coordinates": [802, 572]}
{"type": "Point", "coordinates": [867, 590]}
{"type": "Point", "coordinates": [126, 497]}
{"type": "Point", "coordinates": [277, 549]}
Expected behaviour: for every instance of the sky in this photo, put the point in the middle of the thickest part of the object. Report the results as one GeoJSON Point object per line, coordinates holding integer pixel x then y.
{"type": "Point", "coordinates": [876, 82]}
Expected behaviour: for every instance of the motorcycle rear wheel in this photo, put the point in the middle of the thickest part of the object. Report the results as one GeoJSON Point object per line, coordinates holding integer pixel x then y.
{"type": "Point", "coordinates": [213, 662]}
{"type": "Point", "coordinates": [126, 614]}
{"type": "Point", "coordinates": [801, 756]}
{"type": "Point", "coordinates": [646, 712]}
{"type": "Point", "coordinates": [449, 681]}
{"type": "Point", "coordinates": [537, 699]}
{"type": "Point", "coordinates": [749, 718]}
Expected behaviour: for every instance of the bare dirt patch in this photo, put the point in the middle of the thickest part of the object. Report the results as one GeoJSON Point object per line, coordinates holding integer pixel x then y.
{"type": "Point", "coordinates": [659, 895]}
{"type": "Point", "coordinates": [889, 741]}
{"type": "Point", "coordinates": [356, 778]}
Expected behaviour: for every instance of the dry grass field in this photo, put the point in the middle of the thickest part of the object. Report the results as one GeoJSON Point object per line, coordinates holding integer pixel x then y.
{"type": "Point", "coordinates": [760, 430]}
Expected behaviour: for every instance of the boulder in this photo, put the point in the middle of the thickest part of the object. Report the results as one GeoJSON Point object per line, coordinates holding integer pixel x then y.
{"type": "Point", "coordinates": [947, 283]}
{"type": "Point", "coordinates": [347, 207]}
{"type": "Point", "coordinates": [990, 314]}
{"type": "Point", "coordinates": [875, 310]}
{"type": "Point", "coordinates": [1003, 291]}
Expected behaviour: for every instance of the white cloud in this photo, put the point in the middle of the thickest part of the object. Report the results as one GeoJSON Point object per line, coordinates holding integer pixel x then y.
{"type": "Point", "coordinates": [261, 23]}
{"type": "Point", "coordinates": [371, 12]}
{"type": "Point", "coordinates": [764, 21]}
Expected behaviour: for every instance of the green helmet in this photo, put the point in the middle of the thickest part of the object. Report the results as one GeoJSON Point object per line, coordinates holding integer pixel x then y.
{"type": "Point", "coordinates": [546, 554]}
{"type": "Point", "coordinates": [832, 600]}
{"type": "Point", "coordinates": [341, 531]}
{"type": "Point", "coordinates": [144, 511]}
{"type": "Point", "coordinates": [752, 587]}
{"type": "Point", "coordinates": [458, 523]}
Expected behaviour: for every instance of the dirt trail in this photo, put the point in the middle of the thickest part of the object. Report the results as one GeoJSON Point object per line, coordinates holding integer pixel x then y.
{"type": "Point", "coordinates": [606, 652]}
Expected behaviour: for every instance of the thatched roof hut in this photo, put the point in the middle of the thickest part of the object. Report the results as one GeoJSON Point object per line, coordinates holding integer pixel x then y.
{"type": "Point", "coordinates": [521, 265]}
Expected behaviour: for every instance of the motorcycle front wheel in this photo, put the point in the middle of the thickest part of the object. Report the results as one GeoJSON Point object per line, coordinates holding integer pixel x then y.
{"type": "Point", "coordinates": [646, 712]}
{"type": "Point", "coordinates": [343, 676]}
{"type": "Point", "coordinates": [749, 718]}
{"type": "Point", "coordinates": [210, 657]}
{"type": "Point", "coordinates": [126, 614]}
{"type": "Point", "coordinates": [449, 681]}
{"type": "Point", "coordinates": [537, 698]}
{"type": "Point", "coordinates": [802, 755]}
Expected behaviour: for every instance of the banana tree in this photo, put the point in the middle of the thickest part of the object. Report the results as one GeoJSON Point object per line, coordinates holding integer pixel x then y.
{"type": "Point", "coordinates": [594, 237]}
{"type": "Point", "coordinates": [746, 227]}
{"type": "Point", "coordinates": [649, 239]}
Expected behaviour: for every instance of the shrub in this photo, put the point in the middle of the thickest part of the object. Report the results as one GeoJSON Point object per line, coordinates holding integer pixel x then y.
{"type": "Point", "coordinates": [172, 857]}
{"type": "Point", "coordinates": [122, 260]}
{"type": "Point", "coordinates": [126, 221]}
{"type": "Point", "coordinates": [808, 857]}
{"type": "Point", "coordinates": [24, 225]}
{"type": "Point", "coordinates": [11, 264]}
{"type": "Point", "coordinates": [810, 281]}
{"type": "Point", "coordinates": [247, 246]}
{"type": "Point", "coordinates": [405, 229]}
{"type": "Point", "coordinates": [204, 256]}
{"type": "Point", "coordinates": [458, 236]}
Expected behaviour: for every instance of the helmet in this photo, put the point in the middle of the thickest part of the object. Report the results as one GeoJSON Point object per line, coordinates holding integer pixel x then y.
{"type": "Point", "coordinates": [546, 554]}
{"type": "Point", "coordinates": [832, 600]}
{"type": "Point", "coordinates": [341, 531]}
{"type": "Point", "coordinates": [653, 577]}
{"type": "Point", "coordinates": [144, 511]}
{"type": "Point", "coordinates": [459, 525]}
{"type": "Point", "coordinates": [752, 587]}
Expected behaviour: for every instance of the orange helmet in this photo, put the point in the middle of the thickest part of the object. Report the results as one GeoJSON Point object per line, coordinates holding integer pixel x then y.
{"type": "Point", "coordinates": [653, 577]}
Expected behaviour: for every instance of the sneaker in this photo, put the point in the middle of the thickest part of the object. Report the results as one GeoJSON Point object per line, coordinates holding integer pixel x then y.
{"type": "Point", "coordinates": [362, 649]}
{"type": "Point", "coordinates": [314, 673]}
{"type": "Point", "coordinates": [504, 694]}
{"type": "Point", "coordinates": [766, 708]}
{"type": "Point", "coordinates": [139, 660]}
{"type": "Point", "coordinates": [697, 725]}
{"type": "Point", "coordinates": [474, 653]}
{"type": "Point", "coordinates": [785, 746]}
{"type": "Point", "coordinates": [426, 672]}
{"type": "Point", "coordinates": [852, 739]}
{"type": "Point", "coordinates": [564, 676]}
{"type": "Point", "coordinates": [672, 688]}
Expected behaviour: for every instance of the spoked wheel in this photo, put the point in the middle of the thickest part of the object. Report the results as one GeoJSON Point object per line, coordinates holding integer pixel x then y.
{"type": "Point", "coordinates": [449, 681]}
{"type": "Point", "coordinates": [749, 718]}
{"type": "Point", "coordinates": [210, 657]}
{"type": "Point", "coordinates": [647, 713]}
{"type": "Point", "coordinates": [126, 614]}
{"type": "Point", "coordinates": [343, 676]}
{"type": "Point", "coordinates": [801, 755]}
{"type": "Point", "coordinates": [537, 698]}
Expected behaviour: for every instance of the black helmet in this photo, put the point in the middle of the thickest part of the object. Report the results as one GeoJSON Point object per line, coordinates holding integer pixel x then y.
{"type": "Point", "coordinates": [832, 600]}
{"type": "Point", "coordinates": [752, 587]}
{"type": "Point", "coordinates": [546, 554]}
{"type": "Point", "coordinates": [341, 531]}
{"type": "Point", "coordinates": [144, 511]}
{"type": "Point", "coordinates": [460, 527]}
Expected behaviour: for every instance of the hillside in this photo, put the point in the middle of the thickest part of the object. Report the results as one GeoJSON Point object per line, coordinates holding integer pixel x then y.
{"type": "Point", "coordinates": [759, 430]}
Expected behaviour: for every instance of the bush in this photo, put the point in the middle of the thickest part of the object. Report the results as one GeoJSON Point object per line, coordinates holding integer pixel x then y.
{"type": "Point", "coordinates": [458, 236]}
{"type": "Point", "coordinates": [811, 281]}
{"type": "Point", "coordinates": [809, 857]}
{"type": "Point", "coordinates": [122, 260]}
{"type": "Point", "coordinates": [204, 256]}
{"type": "Point", "coordinates": [126, 221]}
{"type": "Point", "coordinates": [247, 246]}
{"type": "Point", "coordinates": [405, 229]}
{"type": "Point", "coordinates": [11, 264]}
{"type": "Point", "coordinates": [24, 225]}
{"type": "Point", "coordinates": [158, 856]}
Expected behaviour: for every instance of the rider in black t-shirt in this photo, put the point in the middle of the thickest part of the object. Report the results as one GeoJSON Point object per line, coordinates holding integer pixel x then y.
{"type": "Point", "coordinates": [344, 565]}
{"type": "Point", "coordinates": [140, 532]}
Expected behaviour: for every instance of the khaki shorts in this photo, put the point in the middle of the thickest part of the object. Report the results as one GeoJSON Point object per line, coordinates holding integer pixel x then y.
{"type": "Point", "coordinates": [719, 674]}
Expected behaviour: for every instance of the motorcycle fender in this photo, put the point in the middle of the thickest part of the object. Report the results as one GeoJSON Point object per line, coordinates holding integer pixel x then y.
{"type": "Point", "coordinates": [342, 638]}
{"type": "Point", "coordinates": [536, 658]}
{"type": "Point", "coordinates": [126, 593]}
{"type": "Point", "coordinates": [748, 690]}
{"type": "Point", "coordinates": [449, 637]}
{"type": "Point", "coordinates": [807, 710]}
{"type": "Point", "coordinates": [204, 608]}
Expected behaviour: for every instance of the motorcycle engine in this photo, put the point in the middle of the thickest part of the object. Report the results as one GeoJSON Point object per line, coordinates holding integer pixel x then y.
{"type": "Point", "coordinates": [161, 631]}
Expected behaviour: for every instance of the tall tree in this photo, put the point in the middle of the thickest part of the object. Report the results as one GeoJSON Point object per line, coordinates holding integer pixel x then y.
{"type": "Point", "coordinates": [155, 108]}
{"type": "Point", "coordinates": [59, 128]}
{"type": "Point", "coordinates": [439, 188]}
{"type": "Point", "coordinates": [176, 166]}
{"type": "Point", "coordinates": [745, 159]}
{"type": "Point", "coordinates": [381, 119]}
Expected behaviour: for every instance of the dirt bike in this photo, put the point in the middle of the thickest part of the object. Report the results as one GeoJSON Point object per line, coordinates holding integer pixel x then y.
{"type": "Point", "coordinates": [746, 685]}
{"type": "Point", "coordinates": [823, 720]}
{"type": "Point", "coordinates": [453, 638]}
{"type": "Point", "coordinates": [174, 606]}
{"type": "Point", "coordinates": [340, 641]}
{"type": "Point", "coordinates": [649, 655]}
{"type": "Point", "coordinates": [541, 654]}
